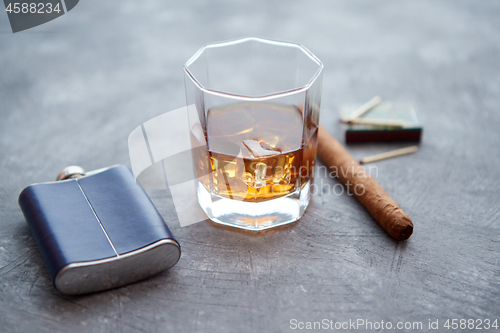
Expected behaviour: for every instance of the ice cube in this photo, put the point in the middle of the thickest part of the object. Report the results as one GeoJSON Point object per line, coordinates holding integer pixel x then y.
{"type": "Point", "coordinates": [260, 175]}
{"type": "Point", "coordinates": [260, 149]}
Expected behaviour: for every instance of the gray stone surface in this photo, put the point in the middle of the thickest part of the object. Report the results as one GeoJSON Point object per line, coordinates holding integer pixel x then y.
{"type": "Point", "coordinates": [72, 90]}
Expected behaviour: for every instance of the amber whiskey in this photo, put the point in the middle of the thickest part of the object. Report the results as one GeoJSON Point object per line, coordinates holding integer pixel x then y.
{"type": "Point", "coordinates": [272, 159]}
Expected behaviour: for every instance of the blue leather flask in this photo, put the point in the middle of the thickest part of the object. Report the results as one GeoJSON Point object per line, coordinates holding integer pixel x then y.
{"type": "Point", "coordinates": [97, 230]}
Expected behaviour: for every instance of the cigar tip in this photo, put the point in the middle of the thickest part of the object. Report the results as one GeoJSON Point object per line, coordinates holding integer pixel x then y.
{"type": "Point", "coordinates": [406, 232]}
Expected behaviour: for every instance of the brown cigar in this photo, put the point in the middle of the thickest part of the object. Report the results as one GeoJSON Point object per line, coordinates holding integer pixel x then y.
{"type": "Point", "coordinates": [376, 200]}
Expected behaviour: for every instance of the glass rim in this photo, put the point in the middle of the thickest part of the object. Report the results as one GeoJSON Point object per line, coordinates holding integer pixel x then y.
{"type": "Point", "coordinates": [260, 40]}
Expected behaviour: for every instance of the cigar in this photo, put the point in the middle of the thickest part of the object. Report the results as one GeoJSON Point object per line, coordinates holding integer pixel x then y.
{"type": "Point", "coordinates": [366, 189]}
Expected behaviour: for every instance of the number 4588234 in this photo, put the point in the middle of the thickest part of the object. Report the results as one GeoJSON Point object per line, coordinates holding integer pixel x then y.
{"type": "Point", "coordinates": [476, 324]}
{"type": "Point", "coordinates": [38, 8]}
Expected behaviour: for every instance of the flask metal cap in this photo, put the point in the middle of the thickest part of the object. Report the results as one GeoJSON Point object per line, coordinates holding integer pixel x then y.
{"type": "Point", "coordinates": [72, 171]}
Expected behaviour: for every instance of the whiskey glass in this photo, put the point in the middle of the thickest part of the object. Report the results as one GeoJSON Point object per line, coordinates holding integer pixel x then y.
{"type": "Point", "coordinates": [253, 125]}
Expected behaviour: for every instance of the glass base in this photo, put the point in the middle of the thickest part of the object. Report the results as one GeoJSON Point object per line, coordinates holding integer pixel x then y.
{"type": "Point", "coordinates": [254, 215]}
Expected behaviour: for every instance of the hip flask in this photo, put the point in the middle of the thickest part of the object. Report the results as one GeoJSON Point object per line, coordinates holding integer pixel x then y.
{"type": "Point", "coordinates": [97, 230]}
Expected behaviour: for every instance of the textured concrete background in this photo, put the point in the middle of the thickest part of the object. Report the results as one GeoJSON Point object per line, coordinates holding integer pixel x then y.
{"type": "Point", "coordinates": [72, 90]}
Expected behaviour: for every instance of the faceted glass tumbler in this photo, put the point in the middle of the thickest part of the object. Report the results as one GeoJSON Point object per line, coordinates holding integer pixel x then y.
{"type": "Point", "coordinates": [254, 110]}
